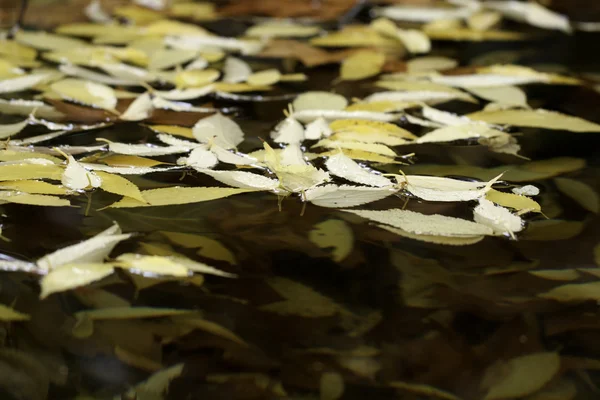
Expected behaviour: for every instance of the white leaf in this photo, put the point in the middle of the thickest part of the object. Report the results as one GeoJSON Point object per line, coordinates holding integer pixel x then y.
{"type": "Point", "coordinates": [460, 132]}
{"type": "Point", "coordinates": [223, 131]}
{"type": "Point", "coordinates": [128, 72]}
{"type": "Point", "coordinates": [319, 101]}
{"type": "Point", "coordinates": [199, 158]}
{"type": "Point", "coordinates": [288, 131]}
{"type": "Point", "coordinates": [175, 141]}
{"type": "Point", "coordinates": [93, 250]}
{"type": "Point", "coordinates": [159, 102]}
{"type": "Point", "coordinates": [426, 14]}
{"type": "Point", "coordinates": [334, 196]}
{"type": "Point", "coordinates": [198, 42]}
{"type": "Point", "coordinates": [26, 107]}
{"type": "Point", "coordinates": [414, 40]}
{"type": "Point", "coordinates": [317, 129]}
{"type": "Point", "coordinates": [7, 130]}
{"type": "Point", "coordinates": [76, 177]}
{"type": "Point", "coordinates": [434, 188]}
{"type": "Point", "coordinates": [86, 92]}
{"type": "Point", "coordinates": [84, 73]}
{"type": "Point", "coordinates": [422, 224]}
{"type": "Point", "coordinates": [505, 95]}
{"type": "Point", "coordinates": [140, 109]}
{"type": "Point", "coordinates": [229, 157]}
{"type": "Point", "coordinates": [125, 170]}
{"type": "Point", "coordinates": [344, 167]}
{"type": "Point", "coordinates": [292, 155]}
{"type": "Point", "coordinates": [444, 117]}
{"type": "Point", "coordinates": [500, 219]}
{"type": "Point", "coordinates": [26, 82]}
{"type": "Point", "coordinates": [236, 70]}
{"type": "Point", "coordinates": [153, 4]}
{"type": "Point", "coordinates": [146, 149]}
{"type": "Point", "coordinates": [167, 58]}
{"type": "Point", "coordinates": [531, 13]}
{"type": "Point", "coordinates": [242, 179]}
{"type": "Point", "coordinates": [408, 96]}
{"type": "Point", "coordinates": [306, 116]}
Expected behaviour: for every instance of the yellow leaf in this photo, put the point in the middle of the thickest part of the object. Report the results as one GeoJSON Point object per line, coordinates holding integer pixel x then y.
{"type": "Point", "coordinates": [336, 234]}
{"type": "Point", "coordinates": [522, 375]}
{"type": "Point", "coordinates": [122, 160]}
{"type": "Point", "coordinates": [583, 194]}
{"type": "Point", "coordinates": [574, 292]}
{"type": "Point", "coordinates": [34, 187]}
{"type": "Point", "coordinates": [381, 106]}
{"type": "Point", "coordinates": [466, 34]}
{"type": "Point", "coordinates": [264, 78]}
{"type": "Point", "coordinates": [361, 65]}
{"type": "Point", "coordinates": [173, 130]}
{"type": "Point", "coordinates": [14, 50]}
{"type": "Point", "coordinates": [173, 27]}
{"type": "Point", "coordinates": [151, 265]}
{"type": "Point", "coordinates": [196, 78]}
{"type": "Point", "coordinates": [556, 274]}
{"type": "Point", "coordinates": [367, 127]}
{"type": "Point", "coordinates": [520, 203]}
{"type": "Point", "coordinates": [86, 92]}
{"type": "Point", "coordinates": [536, 119]}
{"type": "Point", "coordinates": [117, 184]}
{"type": "Point", "coordinates": [196, 11]}
{"type": "Point", "coordinates": [362, 156]}
{"type": "Point", "coordinates": [355, 36]}
{"type": "Point", "coordinates": [282, 30]}
{"type": "Point", "coordinates": [369, 147]}
{"type": "Point", "coordinates": [129, 313]}
{"type": "Point", "coordinates": [71, 276]}
{"type": "Point", "coordinates": [137, 15]}
{"type": "Point", "coordinates": [179, 195]}
{"type": "Point", "coordinates": [209, 248]}
{"type": "Point", "coordinates": [447, 240]}
{"type": "Point", "coordinates": [8, 314]}
{"type": "Point", "coordinates": [33, 199]}
{"type": "Point", "coordinates": [239, 87]}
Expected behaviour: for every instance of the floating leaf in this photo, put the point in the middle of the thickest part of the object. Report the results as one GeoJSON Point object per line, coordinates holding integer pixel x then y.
{"type": "Point", "coordinates": [32, 199]}
{"type": "Point", "coordinates": [433, 188]}
{"type": "Point", "coordinates": [368, 147]}
{"type": "Point", "coordinates": [71, 276]}
{"type": "Point", "coordinates": [124, 313]}
{"type": "Point", "coordinates": [264, 78]}
{"type": "Point", "coordinates": [8, 130]}
{"type": "Point", "coordinates": [295, 177]}
{"type": "Point", "coordinates": [242, 179]}
{"type": "Point", "coordinates": [344, 167]}
{"type": "Point", "coordinates": [505, 95]}
{"type": "Point", "coordinates": [422, 224]}
{"type": "Point", "coordinates": [85, 92]}
{"type": "Point", "coordinates": [47, 41]}
{"type": "Point", "coordinates": [196, 78]}
{"type": "Point", "coordinates": [336, 234]}
{"type": "Point", "coordinates": [178, 195]}
{"type": "Point", "coordinates": [140, 109]}
{"type": "Point", "coordinates": [76, 177]}
{"type": "Point", "coordinates": [536, 119]}
{"type": "Point", "coordinates": [334, 196]}
{"type": "Point", "coordinates": [522, 375]}
{"type": "Point", "coordinates": [500, 219]}
{"type": "Point", "coordinates": [319, 101]}
{"type": "Point", "coordinates": [221, 130]}
{"type": "Point", "coordinates": [583, 194]}
{"type": "Point", "coordinates": [288, 131]}
{"type": "Point", "coordinates": [437, 239]}
{"type": "Point", "coordinates": [235, 70]}
{"type": "Point", "coordinates": [531, 13]}
{"type": "Point", "coordinates": [117, 184]}
{"type": "Point", "coordinates": [26, 82]}
{"type": "Point", "coordinates": [281, 29]}
{"type": "Point", "coordinates": [361, 65]}
{"type": "Point", "coordinates": [90, 251]}
{"type": "Point", "coordinates": [33, 186]}
{"type": "Point", "coordinates": [18, 171]}
{"type": "Point", "coordinates": [425, 390]}
{"type": "Point", "coordinates": [520, 203]}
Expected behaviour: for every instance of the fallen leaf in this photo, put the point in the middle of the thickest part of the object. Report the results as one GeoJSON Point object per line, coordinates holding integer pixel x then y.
{"type": "Point", "coordinates": [242, 179]}
{"type": "Point", "coordinates": [500, 219]}
{"type": "Point", "coordinates": [70, 276]}
{"type": "Point", "coordinates": [178, 195]}
{"type": "Point", "coordinates": [536, 119]}
{"type": "Point", "coordinates": [520, 203]}
{"type": "Point", "coordinates": [315, 100]}
{"type": "Point", "coordinates": [344, 167]}
{"type": "Point", "coordinates": [219, 129]}
{"type": "Point", "coordinates": [333, 196]}
{"type": "Point", "coordinates": [208, 247]}
{"type": "Point", "coordinates": [361, 65]}
{"type": "Point", "coordinates": [7, 130]}
{"type": "Point", "coordinates": [32, 199]}
{"type": "Point", "coordinates": [235, 70]}
{"type": "Point", "coordinates": [276, 29]}
{"type": "Point", "coordinates": [583, 194]}
{"type": "Point", "coordinates": [8, 314]}
{"type": "Point", "coordinates": [85, 92]}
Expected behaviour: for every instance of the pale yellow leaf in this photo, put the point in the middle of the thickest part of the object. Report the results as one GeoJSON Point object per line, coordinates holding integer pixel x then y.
{"type": "Point", "coordinates": [33, 187]}
{"type": "Point", "coordinates": [437, 239]}
{"type": "Point", "coordinates": [556, 274]}
{"type": "Point", "coordinates": [276, 29]}
{"type": "Point", "coordinates": [336, 234]}
{"type": "Point", "coordinates": [505, 95]}
{"type": "Point", "coordinates": [122, 160]}
{"type": "Point", "coordinates": [151, 265]}
{"type": "Point", "coordinates": [316, 100]}
{"type": "Point", "coordinates": [196, 78]}
{"type": "Point", "coordinates": [369, 126]}
{"type": "Point", "coordinates": [368, 147]}
{"type": "Point", "coordinates": [355, 36]}
{"type": "Point", "coordinates": [361, 65]}
{"type": "Point", "coordinates": [520, 203]}
{"type": "Point", "coordinates": [536, 119]}
{"type": "Point", "coordinates": [117, 184]}
{"type": "Point", "coordinates": [86, 92]}
{"type": "Point", "coordinates": [264, 78]}
{"type": "Point", "coordinates": [71, 276]}
{"type": "Point", "coordinates": [333, 196]}
{"type": "Point", "coordinates": [33, 199]}
{"type": "Point", "coordinates": [574, 292]}
{"type": "Point", "coordinates": [179, 195]}
{"type": "Point", "coordinates": [173, 130]}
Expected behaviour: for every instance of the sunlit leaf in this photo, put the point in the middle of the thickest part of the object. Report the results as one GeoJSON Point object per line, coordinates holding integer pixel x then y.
{"type": "Point", "coordinates": [76, 177]}
{"type": "Point", "coordinates": [32, 199]}
{"type": "Point", "coordinates": [26, 82]}
{"type": "Point", "coordinates": [336, 234]}
{"type": "Point", "coordinates": [333, 196]}
{"type": "Point", "coordinates": [264, 78]}
{"type": "Point", "coordinates": [85, 92]}
{"type": "Point", "coordinates": [196, 78]}
{"type": "Point", "coordinates": [219, 129]}
{"type": "Point", "coordinates": [288, 131]}
{"type": "Point", "coordinates": [281, 29]}
{"type": "Point", "coordinates": [235, 70]}
{"type": "Point", "coordinates": [7, 130]}
{"type": "Point", "coordinates": [242, 179]}
{"type": "Point", "coordinates": [433, 188]}
{"type": "Point", "coordinates": [520, 203]}
{"type": "Point", "coordinates": [505, 95]}
{"type": "Point", "coordinates": [295, 177]}
{"type": "Point", "coordinates": [319, 101]}
{"type": "Point", "coordinates": [500, 219]}
{"type": "Point", "coordinates": [344, 167]}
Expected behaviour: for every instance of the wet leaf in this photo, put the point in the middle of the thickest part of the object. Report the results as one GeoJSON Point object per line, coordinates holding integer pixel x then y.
{"type": "Point", "coordinates": [264, 78]}
{"type": "Point", "coordinates": [520, 203]}
{"type": "Point", "coordinates": [336, 234]}
{"type": "Point", "coordinates": [219, 129]}
{"type": "Point", "coordinates": [505, 95]}
{"type": "Point", "coordinates": [117, 184]}
{"type": "Point", "coordinates": [344, 167]}
{"type": "Point", "coordinates": [26, 82]}
{"type": "Point", "coordinates": [421, 389]}
{"type": "Point", "coordinates": [295, 177]}
{"type": "Point", "coordinates": [333, 196]}
{"type": "Point", "coordinates": [500, 219]}
{"type": "Point", "coordinates": [319, 101]}
{"type": "Point", "coordinates": [7, 130]}
{"type": "Point", "coordinates": [242, 179]}
{"type": "Point", "coordinates": [32, 199]}
{"type": "Point", "coordinates": [236, 70]}
{"type": "Point", "coordinates": [361, 65]}
{"type": "Point", "coordinates": [281, 29]}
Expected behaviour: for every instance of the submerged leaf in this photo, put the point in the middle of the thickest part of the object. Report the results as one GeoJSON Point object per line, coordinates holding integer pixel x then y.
{"type": "Point", "coordinates": [8, 314]}
{"type": "Point", "coordinates": [580, 192]}
{"type": "Point", "coordinates": [536, 119]}
{"type": "Point", "coordinates": [336, 234]}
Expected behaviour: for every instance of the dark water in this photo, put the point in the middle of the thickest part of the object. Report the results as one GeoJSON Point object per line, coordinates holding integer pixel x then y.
{"type": "Point", "coordinates": [395, 310]}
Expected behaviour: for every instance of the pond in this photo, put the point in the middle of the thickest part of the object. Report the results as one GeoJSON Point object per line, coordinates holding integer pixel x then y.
{"type": "Point", "coordinates": [299, 200]}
